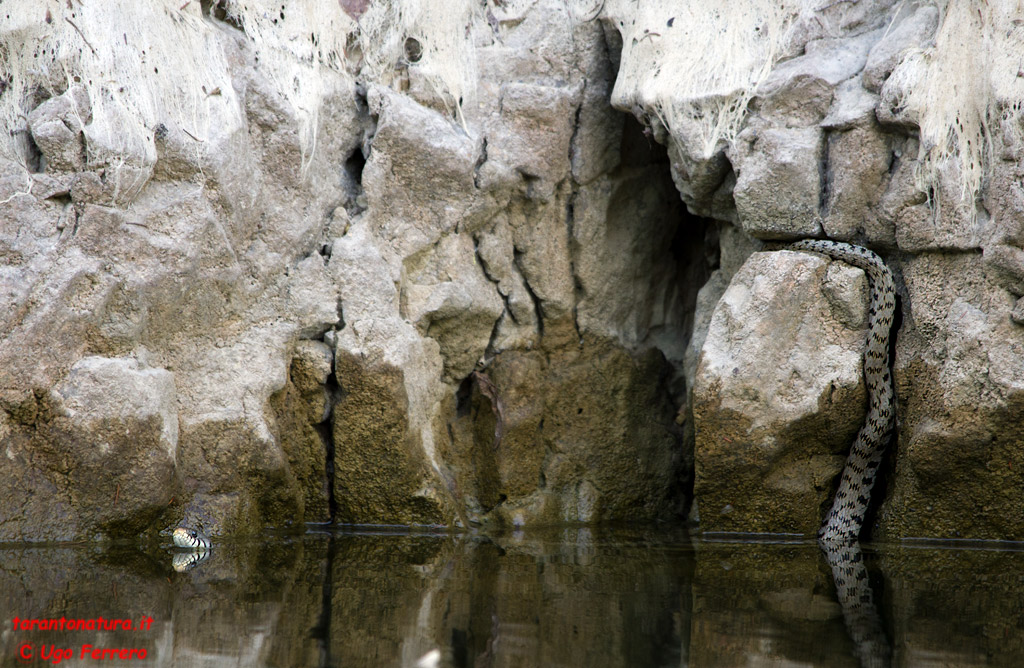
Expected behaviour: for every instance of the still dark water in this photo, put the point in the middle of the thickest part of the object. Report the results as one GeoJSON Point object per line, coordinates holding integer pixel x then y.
{"type": "Point", "coordinates": [575, 597]}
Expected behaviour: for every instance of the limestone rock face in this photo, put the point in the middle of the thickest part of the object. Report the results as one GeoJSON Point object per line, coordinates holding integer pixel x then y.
{"type": "Point", "coordinates": [779, 393]}
{"type": "Point", "coordinates": [354, 285]}
{"type": "Point", "coordinates": [379, 470]}
{"type": "Point", "coordinates": [301, 413]}
{"type": "Point", "coordinates": [838, 139]}
{"type": "Point", "coordinates": [528, 448]}
{"type": "Point", "coordinates": [449, 297]}
{"type": "Point", "coordinates": [294, 296]}
{"type": "Point", "coordinates": [56, 127]}
{"type": "Point", "coordinates": [778, 182]}
{"type": "Point", "coordinates": [961, 385]}
{"type": "Point", "coordinates": [911, 29]}
{"type": "Point", "coordinates": [103, 453]}
{"type": "Point", "coordinates": [198, 282]}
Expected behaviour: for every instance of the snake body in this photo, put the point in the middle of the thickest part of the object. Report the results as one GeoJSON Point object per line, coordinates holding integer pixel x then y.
{"type": "Point", "coordinates": [846, 517]}
{"type": "Point", "coordinates": [857, 602]}
{"type": "Point", "coordinates": [186, 561]}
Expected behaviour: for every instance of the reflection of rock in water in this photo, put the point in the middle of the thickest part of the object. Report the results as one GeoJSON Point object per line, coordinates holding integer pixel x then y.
{"type": "Point", "coordinates": [510, 601]}
{"type": "Point", "coordinates": [576, 597]}
{"type": "Point", "coordinates": [184, 561]}
{"type": "Point", "coordinates": [765, 603]}
{"type": "Point", "coordinates": [853, 590]}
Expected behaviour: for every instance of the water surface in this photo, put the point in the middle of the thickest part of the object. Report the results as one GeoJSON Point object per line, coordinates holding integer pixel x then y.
{"type": "Point", "coordinates": [574, 597]}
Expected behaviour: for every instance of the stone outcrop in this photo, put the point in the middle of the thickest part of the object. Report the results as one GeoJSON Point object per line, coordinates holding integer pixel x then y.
{"type": "Point", "coordinates": [301, 413]}
{"type": "Point", "coordinates": [537, 451]}
{"type": "Point", "coordinates": [829, 147]}
{"type": "Point", "coordinates": [295, 327]}
{"type": "Point", "coordinates": [365, 292]}
{"type": "Point", "coordinates": [959, 374]}
{"type": "Point", "coordinates": [122, 420]}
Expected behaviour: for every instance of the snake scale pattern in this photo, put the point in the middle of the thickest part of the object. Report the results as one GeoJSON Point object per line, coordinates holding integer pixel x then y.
{"type": "Point", "coordinates": [846, 518]}
{"type": "Point", "coordinates": [193, 548]}
{"type": "Point", "coordinates": [190, 539]}
{"type": "Point", "coordinates": [857, 602]}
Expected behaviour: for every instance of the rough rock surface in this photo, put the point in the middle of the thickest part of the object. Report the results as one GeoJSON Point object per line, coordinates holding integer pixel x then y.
{"type": "Point", "coordinates": [778, 183]}
{"type": "Point", "coordinates": [827, 141]}
{"type": "Point", "coordinates": [778, 372]}
{"type": "Point", "coordinates": [559, 455]}
{"type": "Point", "coordinates": [310, 323]}
{"type": "Point", "coordinates": [961, 382]}
{"type": "Point", "coordinates": [124, 421]}
{"type": "Point", "coordinates": [492, 313]}
{"type": "Point", "coordinates": [302, 412]}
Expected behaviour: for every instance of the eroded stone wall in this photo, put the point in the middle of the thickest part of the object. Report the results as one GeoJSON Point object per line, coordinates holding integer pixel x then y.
{"type": "Point", "coordinates": [829, 147]}
{"type": "Point", "coordinates": [265, 333]}
{"type": "Point", "coordinates": [517, 307]}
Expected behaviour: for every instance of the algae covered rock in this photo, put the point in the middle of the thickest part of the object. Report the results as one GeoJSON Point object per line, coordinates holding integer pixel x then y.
{"type": "Point", "coordinates": [580, 436]}
{"type": "Point", "coordinates": [379, 473]}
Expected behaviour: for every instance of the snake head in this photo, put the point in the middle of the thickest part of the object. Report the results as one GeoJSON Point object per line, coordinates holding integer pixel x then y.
{"type": "Point", "coordinates": [190, 539]}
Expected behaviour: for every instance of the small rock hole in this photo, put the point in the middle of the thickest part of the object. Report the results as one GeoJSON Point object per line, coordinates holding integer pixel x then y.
{"type": "Point", "coordinates": [413, 50]}
{"type": "Point", "coordinates": [463, 396]}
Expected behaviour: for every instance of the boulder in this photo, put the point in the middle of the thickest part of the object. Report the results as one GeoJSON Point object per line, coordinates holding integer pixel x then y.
{"type": "Point", "coordinates": [779, 393]}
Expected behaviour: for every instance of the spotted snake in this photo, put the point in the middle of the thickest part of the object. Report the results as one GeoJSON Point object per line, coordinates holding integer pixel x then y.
{"type": "Point", "coordinates": [846, 517]}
